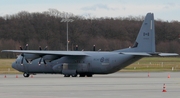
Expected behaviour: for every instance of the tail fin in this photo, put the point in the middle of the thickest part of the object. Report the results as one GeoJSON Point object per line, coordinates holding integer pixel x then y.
{"type": "Point", "coordinates": [145, 41]}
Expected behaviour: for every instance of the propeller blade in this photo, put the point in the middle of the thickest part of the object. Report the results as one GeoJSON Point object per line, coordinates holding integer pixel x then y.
{"type": "Point", "coordinates": [26, 47]}
{"type": "Point", "coordinates": [76, 49]}
{"type": "Point", "coordinates": [40, 61]}
{"type": "Point", "coordinates": [94, 47]}
{"type": "Point", "coordinates": [46, 48]}
{"type": "Point", "coordinates": [23, 54]}
{"type": "Point", "coordinates": [40, 48]}
{"type": "Point", "coordinates": [44, 61]}
{"type": "Point", "coordinates": [26, 60]}
{"type": "Point", "coordinates": [20, 48]}
{"type": "Point", "coordinates": [22, 60]}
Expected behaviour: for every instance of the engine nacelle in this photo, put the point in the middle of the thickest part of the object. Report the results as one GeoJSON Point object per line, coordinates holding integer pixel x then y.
{"type": "Point", "coordinates": [50, 57]}
{"type": "Point", "coordinates": [31, 57]}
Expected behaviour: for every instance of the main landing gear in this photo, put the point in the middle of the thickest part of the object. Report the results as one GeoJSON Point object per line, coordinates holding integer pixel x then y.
{"type": "Point", "coordinates": [80, 75]}
{"type": "Point", "coordinates": [73, 75]}
{"type": "Point", "coordinates": [87, 75]}
{"type": "Point", "coordinates": [26, 75]}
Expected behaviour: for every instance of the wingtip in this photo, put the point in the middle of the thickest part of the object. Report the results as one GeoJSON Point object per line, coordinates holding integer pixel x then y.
{"type": "Point", "coordinates": [2, 51]}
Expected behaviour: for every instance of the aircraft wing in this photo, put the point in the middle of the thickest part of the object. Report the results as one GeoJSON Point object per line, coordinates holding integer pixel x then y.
{"type": "Point", "coordinates": [39, 52]}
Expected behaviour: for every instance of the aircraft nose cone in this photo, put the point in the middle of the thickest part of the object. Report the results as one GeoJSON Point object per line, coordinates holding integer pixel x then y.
{"type": "Point", "coordinates": [13, 65]}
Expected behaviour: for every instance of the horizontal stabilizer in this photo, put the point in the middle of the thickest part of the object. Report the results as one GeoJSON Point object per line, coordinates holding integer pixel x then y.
{"type": "Point", "coordinates": [149, 54]}
{"type": "Point", "coordinates": [168, 54]}
{"type": "Point", "coordinates": [136, 53]}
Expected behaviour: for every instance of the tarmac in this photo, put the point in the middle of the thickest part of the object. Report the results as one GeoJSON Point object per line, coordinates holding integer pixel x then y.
{"type": "Point", "coordinates": [117, 85]}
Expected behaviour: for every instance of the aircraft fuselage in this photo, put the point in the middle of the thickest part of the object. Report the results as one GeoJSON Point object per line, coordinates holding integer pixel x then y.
{"type": "Point", "coordinates": [94, 63]}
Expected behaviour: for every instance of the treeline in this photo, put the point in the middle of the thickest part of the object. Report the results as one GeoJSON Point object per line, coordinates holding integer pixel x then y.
{"type": "Point", "coordinates": [46, 29]}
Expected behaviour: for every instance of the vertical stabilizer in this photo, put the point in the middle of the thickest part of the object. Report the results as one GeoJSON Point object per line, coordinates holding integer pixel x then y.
{"type": "Point", "coordinates": [145, 41]}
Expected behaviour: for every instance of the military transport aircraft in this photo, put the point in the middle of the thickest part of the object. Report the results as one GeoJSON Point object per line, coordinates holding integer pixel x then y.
{"type": "Point", "coordinates": [88, 63]}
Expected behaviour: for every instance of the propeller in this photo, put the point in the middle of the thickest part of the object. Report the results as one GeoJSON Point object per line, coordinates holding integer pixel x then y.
{"type": "Point", "coordinates": [26, 47]}
{"type": "Point", "coordinates": [42, 56]}
{"type": "Point", "coordinates": [23, 54]}
{"type": "Point", "coordinates": [41, 60]}
{"type": "Point", "coordinates": [23, 59]}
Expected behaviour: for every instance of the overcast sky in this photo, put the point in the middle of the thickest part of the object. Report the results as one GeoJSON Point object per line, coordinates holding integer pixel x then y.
{"type": "Point", "coordinates": [162, 9]}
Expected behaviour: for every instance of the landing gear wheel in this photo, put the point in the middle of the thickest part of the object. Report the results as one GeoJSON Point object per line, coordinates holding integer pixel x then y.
{"type": "Point", "coordinates": [82, 75]}
{"type": "Point", "coordinates": [66, 75]}
{"type": "Point", "coordinates": [26, 75]}
{"type": "Point", "coordinates": [74, 75]}
{"type": "Point", "coordinates": [89, 75]}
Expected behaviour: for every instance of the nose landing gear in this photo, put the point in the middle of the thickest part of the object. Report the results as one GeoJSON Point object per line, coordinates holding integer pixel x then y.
{"type": "Point", "coordinates": [26, 75]}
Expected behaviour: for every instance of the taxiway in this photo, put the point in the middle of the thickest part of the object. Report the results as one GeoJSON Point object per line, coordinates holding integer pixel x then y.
{"type": "Point", "coordinates": [117, 85]}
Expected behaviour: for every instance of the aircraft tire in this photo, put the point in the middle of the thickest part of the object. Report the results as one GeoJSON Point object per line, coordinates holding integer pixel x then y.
{"type": "Point", "coordinates": [66, 75]}
{"type": "Point", "coordinates": [26, 75]}
{"type": "Point", "coordinates": [74, 75]}
{"type": "Point", "coordinates": [82, 75]}
{"type": "Point", "coordinates": [89, 75]}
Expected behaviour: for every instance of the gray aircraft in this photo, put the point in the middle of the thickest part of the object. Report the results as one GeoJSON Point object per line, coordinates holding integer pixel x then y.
{"type": "Point", "coordinates": [88, 63]}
